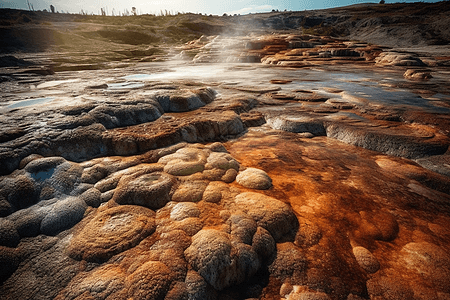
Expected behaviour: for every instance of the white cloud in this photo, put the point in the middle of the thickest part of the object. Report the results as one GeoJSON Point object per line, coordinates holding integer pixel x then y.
{"type": "Point", "coordinates": [252, 9]}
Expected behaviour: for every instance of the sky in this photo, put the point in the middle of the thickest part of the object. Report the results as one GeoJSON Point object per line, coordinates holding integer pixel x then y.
{"type": "Point", "coordinates": [174, 6]}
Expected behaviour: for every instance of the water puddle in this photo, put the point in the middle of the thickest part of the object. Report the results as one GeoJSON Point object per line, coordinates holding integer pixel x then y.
{"type": "Point", "coordinates": [184, 72]}
{"type": "Point", "coordinates": [55, 83]}
{"type": "Point", "coordinates": [43, 175]}
{"type": "Point", "coordinates": [138, 77]}
{"type": "Point", "coordinates": [348, 115]}
{"type": "Point", "coordinates": [125, 85]}
{"type": "Point", "coordinates": [30, 102]}
{"type": "Point", "coordinates": [371, 88]}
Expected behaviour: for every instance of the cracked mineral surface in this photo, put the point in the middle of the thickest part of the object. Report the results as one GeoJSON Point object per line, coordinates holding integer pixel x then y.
{"type": "Point", "coordinates": [279, 166]}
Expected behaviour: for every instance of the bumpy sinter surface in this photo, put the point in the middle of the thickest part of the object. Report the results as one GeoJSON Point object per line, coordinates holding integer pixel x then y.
{"type": "Point", "coordinates": [320, 173]}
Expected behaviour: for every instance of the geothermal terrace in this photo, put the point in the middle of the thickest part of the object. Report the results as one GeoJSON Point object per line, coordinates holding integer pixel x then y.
{"type": "Point", "coordinates": [280, 166]}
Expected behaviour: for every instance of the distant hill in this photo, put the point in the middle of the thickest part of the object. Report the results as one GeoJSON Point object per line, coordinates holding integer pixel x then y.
{"type": "Point", "coordinates": [395, 25]}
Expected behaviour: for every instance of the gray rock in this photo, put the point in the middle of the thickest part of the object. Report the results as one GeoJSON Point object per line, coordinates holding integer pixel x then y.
{"type": "Point", "coordinates": [298, 125]}
{"type": "Point", "coordinates": [43, 168]}
{"type": "Point", "coordinates": [65, 177]}
{"type": "Point", "coordinates": [81, 188]}
{"type": "Point", "coordinates": [216, 191]}
{"type": "Point", "coordinates": [28, 221]}
{"type": "Point", "coordinates": [64, 215]}
{"type": "Point", "coordinates": [388, 141]}
{"type": "Point", "coordinates": [223, 161]}
{"type": "Point", "coordinates": [125, 115]}
{"type": "Point", "coordinates": [182, 101]}
{"type": "Point", "coordinates": [5, 207]}
{"type": "Point", "coordinates": [92, 197]}
{"type": "Point", "coordinates": [94, 174]}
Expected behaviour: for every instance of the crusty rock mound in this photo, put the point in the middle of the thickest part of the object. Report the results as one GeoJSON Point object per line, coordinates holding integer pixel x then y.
{"type": "Point", "coordinates": [271, 214]}
{"type": "Point", "coordinates": [219, 261]}
{"type": "Point", "coordinates": [150, 190]}
{"type": "Point", "coordinates": [366, 259]}
{"type": "Point", "coordinates": [112, 231]}
{"type": "Point", "coordinates": [254, 179]}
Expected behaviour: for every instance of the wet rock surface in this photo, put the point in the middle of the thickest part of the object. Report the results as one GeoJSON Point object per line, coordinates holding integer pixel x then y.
{"type": "Point", "coordinates": [305, 167]}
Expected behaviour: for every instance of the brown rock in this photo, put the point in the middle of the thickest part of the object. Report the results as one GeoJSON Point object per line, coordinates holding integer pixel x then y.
{"type": "Point", "coordinates": [106, 281]}
{"type": "Point", "coordinates": [190, 191]}
{"type": "Point", "coordinates": [112, 231]}
{"type": "Point", "coordinates": [430, 261]}
{"type": "Point", "coordinates": [269, 213]}
{"type": "Point", "coordinates": [150, 281]}
{"type": "Point", "coordinates": [254, 179]}
{"type": "Point", "coordinates": [150, 190]}
{"type": "Point", "coordinates": [185, 161]}
{"type": "Point", "coordinates": [290, 262]}
{"type": "Point", "coordinates": [219, 261]}
{"type": "Point", "coordinates": [366, 260]}
{"type": "Point", "coordinates": [417, 74]}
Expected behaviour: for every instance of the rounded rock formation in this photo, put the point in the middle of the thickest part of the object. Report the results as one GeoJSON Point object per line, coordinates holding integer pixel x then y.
{"type": "Point", "coordinates": [28, 221]}
{"type": "Point", "coordinates": [289, 263]}
{"type": "Point", "coordinates": [152, 280]}
{"type": "Point", "coordinates": [254, 179]}
{"type": "Point", "coordinates": [106, 281]}
{"type": "Point", "coordinates": [190, 191]}
{"type": "Point", "coordinates": [308, 235]}
{"type": "Point", "coordinates": [20, 192]}
{"type": "Point", "coordinates": [269, 213]}
{"type": "Point", "coordinates": [150, 190]}
{"type": "Point", "coordinates": [366, 260]}
{"type": "Point", "coordinates": [9, 260]}
{"type": "Point", "coordinates": [219, 261]}
{"type": "Point", "coordinates": [112, 231]}
{"type": "Point", "coordinates": [223, 161]}
{"type": "Point", "coordinates": [64, 215]}
{"type": "Point", "coordinates": [184, 162]}
{"type": "Point", "coordinates": [8, 234]}
{"type": "Point", "coordinates": [430, 261]}
{"type": "Point", "coordinates": [263, 243]}
{"type": "Point", "coordinates": [184, 210]}
{"type": "Point", "coordinates": [417, 74]}
{"type": "Point", "coordinates": [242, 228]}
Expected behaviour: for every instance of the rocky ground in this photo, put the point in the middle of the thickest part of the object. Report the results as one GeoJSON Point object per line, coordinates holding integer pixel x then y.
{"type": "Point", "coordinates": [271, 165]}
